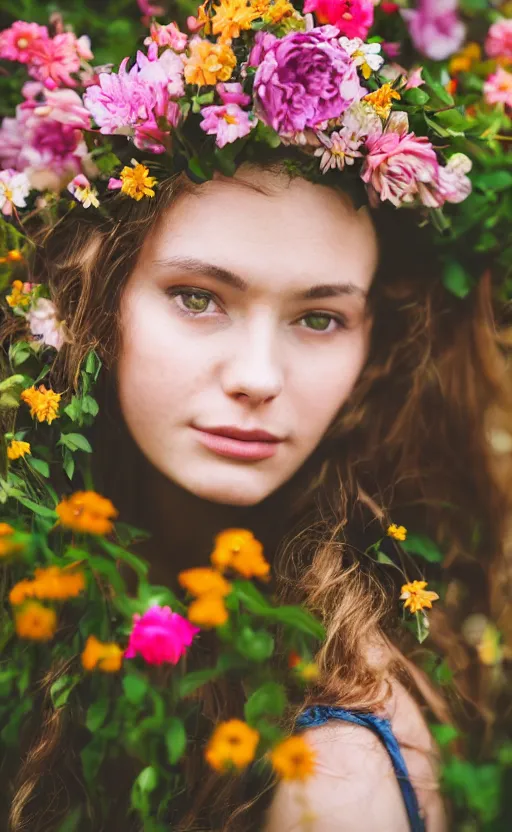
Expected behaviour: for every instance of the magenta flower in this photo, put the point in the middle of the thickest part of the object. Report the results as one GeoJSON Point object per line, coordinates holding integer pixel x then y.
{"type": "Point", "coordinates": [159, 636]}
{"type": "Point", "coordinates": [435, 28]}
{"type": "Point", "coordinates": [53, 61]}
{"type": "Point", "coordinates": [498, 88]}
{"type": "Point", "coordinates": [45, 325]}
{"type": "Point", "coordinates": [148, 9]}
{"type": "Point", "coordinates": [353, 18]}
{"type": "Point", "coordinates": [17, 42]}
{"type": "Point", "coordinates": [303, 79]}
{"type": "Point", "coordinates": [233, 93]}
{"type": "Point", "coordinates": [401, 167]}
{"type": "Point", "coordinates": [227, 122]}
{"type": "Point", "coordinates": [499, 39]}
{"type": "Point", "coordinates": [169, 35]}
{"type": "Point", "coordinates": [135, 101]}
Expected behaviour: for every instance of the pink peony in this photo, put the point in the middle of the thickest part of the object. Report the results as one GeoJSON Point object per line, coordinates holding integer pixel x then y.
{"type": "Point", "coordinates": [169, 35]}
{"type": "Point", "coordinates": [498, 88]}
{"type": "Point", "coordinates": [140, 98]}
{"type": "Point", "coordinates": [53, 61]}
{"type": "Point", "coordinates": [159, 636]}
{"type": "Point", "coordinates": [45, 325]}
{"type": "Point", "coordinates": [17, 43]}
{"type": "Point", "coordinates": [453, 184]}
{"type": "Point", "coordinates": [227, 122]}
{"type": "Point", "coordinates": [435, 28]}
{"type": "Point", "coordinates": [353, 18]}
{"type": "Point", "coordinates": [303, 79]}
{"type": "Point", "coordinates": [401, 167]}
{"type": "Point", "coordinates": [499, 39]}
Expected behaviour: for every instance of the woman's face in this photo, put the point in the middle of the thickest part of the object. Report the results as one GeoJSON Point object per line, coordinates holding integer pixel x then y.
{"type": "Point", "coordinates": [244, 329]}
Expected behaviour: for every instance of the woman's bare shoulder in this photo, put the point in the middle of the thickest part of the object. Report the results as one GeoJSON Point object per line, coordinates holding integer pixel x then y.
{"type": "Point", "coordinates": [354, 787]}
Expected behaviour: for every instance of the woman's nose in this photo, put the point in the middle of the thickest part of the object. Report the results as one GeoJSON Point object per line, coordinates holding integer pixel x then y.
{"type": "Point", "coordinates": [253, 369]}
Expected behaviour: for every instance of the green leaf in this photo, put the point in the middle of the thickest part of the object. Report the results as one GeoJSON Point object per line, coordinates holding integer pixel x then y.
{"type": "Point", "coordinates": [424, 547]}
{"type": "Point", "coordinates": [75, 442]}
{"type": "Point", "coordinates": [444, 734]}
{"type": "Point", "coordinates": [93, 365]}
{"type": "Point", "coordinates": [416, 96]}
{"type": "Point", "coordinates": [68, 463]}
{"type": "Point", "coordinates": [90, 406]}
{"type": "Point", "coordinates": [269, 699]}
{"type": "Point", "coordinates": [61, 689]}
{"type": "Point", "coordinates": [456, 279]}
{"type": "Point", "coordinates": [135, 688]}
{"type": "Point", "coordinates": [251, 597]}
{"type": "Point", "coordinates": [97, 713]}
{"type": "Point", "coordinates": [137, 564]}
{"type": "Point", "coordinates": [39, 465]}
{"type": "Point", "coordinates": [192, 681]}
{"type": "Point", "coordinates": [92, 757]}
{"type": "Point", "coordinates": [175, 739]}
{"type": "Point", "coordinates": [71, 821]}
{"type": "Point", "coordinates": [147, 781]}
{"type": "Point", "coordinates": [382, 558]}
{"type": "Point", "coordinates": [19, 352]}
{"type": "Point", "coordinates": [43, 511]}
{"type": "Point", "coordinates": [493, 180]}
{"type": "Point", "coordinates": [256, 645]}
{"type": "Point", "coordinates": [422, 626]}
{"type": "Point", "coordinates": [10, 389]}
{"type": "Point", "coordinates": [300, 619]}
{"type": "Point", "coordinates": [107, 569]}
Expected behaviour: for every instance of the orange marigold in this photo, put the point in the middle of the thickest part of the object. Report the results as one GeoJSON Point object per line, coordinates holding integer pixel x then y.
{"type": "Point", "coordinates": [231, 17]}
{"type": "Point", "coordinates": [238, 549]}
{"type": "Point", "coordinates": [204, 580]}
{"type": "Point", "coordinates": [293, 759]}
{"type": "Point", "coordinates": [43, 403]}
{"type": "Point", "coordinates": [36, 622]}
{"type": "Point", "coordinates": [209, 63]}
{"type": "Point", "coordinates": [7, 544]}
{"type": "Point", "coordinates": [209, 610]}
{"type": "Point", "coordinates": [416, 597]}
{"type": "Point", "coordinates": [51, 584]}
{"type": "Point", "coordinates": [233, 744]}
{"type": "Point", "coordinates": [105, 656]}
{"type": "Point", "coordinates": [17, 449]}
{"type": "Point", "coordinates": [87, 511]}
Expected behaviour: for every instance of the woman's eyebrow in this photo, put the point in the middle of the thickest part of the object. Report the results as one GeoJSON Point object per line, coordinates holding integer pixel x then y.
{"type": "Point", "coordinates": [193, 265]}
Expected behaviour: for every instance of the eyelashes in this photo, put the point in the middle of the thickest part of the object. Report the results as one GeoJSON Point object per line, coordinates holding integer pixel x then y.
{"type": "Point", "coordinates": [194, 303]}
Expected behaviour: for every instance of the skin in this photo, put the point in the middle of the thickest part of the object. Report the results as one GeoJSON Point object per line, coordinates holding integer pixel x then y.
{"type": "Point", "coordinates": [248, 357]}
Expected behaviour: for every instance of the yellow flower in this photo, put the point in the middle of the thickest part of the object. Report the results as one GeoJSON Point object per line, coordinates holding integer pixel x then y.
{"type": "Point", "coordinates": [209, 610]}
{"type": "Point", "coordinates": [137, 182]}
{"type": "Point", "coordinates": [489, 648]}
{"type": "Point", "coordinates": [209, 63]}
{"type": "Point", "coordinates": [86, 511]}
{"type": "Point", "coordinates": [204, 580]}
{"type": "Point", "coordinates": [397, 532]}
{"type": "Point", "coordinates": [36, 622]}
{"type": "Point", "coordinates": [277, 11]}
{"type": "Point", "coordinates": [382, 100]}
{"type": "Point", "coordinates": [233, 744]}
{"type": "Point", "coordinates": [14, 255]}
{"type": "Point", "coordinates": [416, 597]}
{"type": "Point", "coordinates": [50, 584]}
{"type": "Point", "coordinates": [464, 60]}
{"type": "Point", "coordinates": [18, 296]}
{"type": "Point", "coordinates": [293, 759]}
{"type": "Point", "coordinates": [43, 403]}
{"type": "Point", "coordinates": [231, 17]}
{"type": "Point", "coordinates": [7, 545]}
{"type": "Point", "coordinates": [17, 449]}
{"type": "Point", "coordinates": [238, 549]}
{"type": "Point", "coordinates": [105, 656]}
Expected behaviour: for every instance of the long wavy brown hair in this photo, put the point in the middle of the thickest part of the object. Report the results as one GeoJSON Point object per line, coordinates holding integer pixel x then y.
{"type": "Point", "coordinates": [413, 445]}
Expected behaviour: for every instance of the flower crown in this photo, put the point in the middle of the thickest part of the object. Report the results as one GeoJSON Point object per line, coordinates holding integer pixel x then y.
{"type": "Point", "coordinates": [252, 76]}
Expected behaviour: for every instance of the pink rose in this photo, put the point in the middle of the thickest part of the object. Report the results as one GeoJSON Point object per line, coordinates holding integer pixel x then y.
{"type": "Point", "coordinates": [159, 636]}
{"type": "Point", "coordinates": [499, 39]}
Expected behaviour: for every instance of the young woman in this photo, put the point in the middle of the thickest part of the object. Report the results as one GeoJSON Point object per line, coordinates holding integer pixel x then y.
{"type": "Point", "coordinates": [278, 359]}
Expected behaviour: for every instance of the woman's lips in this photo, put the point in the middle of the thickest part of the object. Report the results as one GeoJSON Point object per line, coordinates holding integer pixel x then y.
{"type": "Point", "coordinates": [249, 449]}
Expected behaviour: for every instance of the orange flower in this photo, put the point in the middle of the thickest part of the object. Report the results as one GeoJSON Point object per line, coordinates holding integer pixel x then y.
{"type": "Point", "coordinates": [464, 60]}
{"type": "Point", "coordinates": [231, 17]}
{"type": "Point", "coordinates": [18, 296]}
{"type": "Point", "coordinates": [36, 622]}
{"type": "Point", "coordinates": [382, 99]}
{"type": "Point", "coordinates": [86, 511]}
{"type": "Point", "coordinates": [233, 744]}
{"type": "Point", "coordinates": [209, 610]}
{"type": "Point", "coordinates": [397, 532]}
{"type": "Point", "coordinates": [51, 584]}
{"type": "Point", "coordinates": [106, 656]}
{"type": "Point", "coordinates": [238, 549]}
{"type": "Point", "coordinates": [203, 580]}
{"type": "Point", "coordinates": [137, 183]}
{"type": "Point", "coordinates": [17, 449]}
{"type": "Point", "coordinates": [209, 63]}
{"type": "Point", "coordinates": [43, 403]}
{"type": "Point", "coordinates": [416, 597]}
{"type": "Point", "coordinates": [7, 544]}
{"type": "Point", "coordinates": [293, 759]}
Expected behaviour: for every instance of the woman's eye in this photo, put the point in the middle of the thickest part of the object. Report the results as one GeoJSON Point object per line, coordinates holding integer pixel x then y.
{"type": "Point", "coordinates": [192, 302]}
{"type": "Point", "coordinates": [320, 322]}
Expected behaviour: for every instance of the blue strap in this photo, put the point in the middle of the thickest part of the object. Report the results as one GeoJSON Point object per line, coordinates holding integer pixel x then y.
{"type": "Point", "coordinates": [320, 714]}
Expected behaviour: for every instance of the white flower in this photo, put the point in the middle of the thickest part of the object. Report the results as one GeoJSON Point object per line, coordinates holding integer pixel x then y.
{"type": "Point", "coordinates": [83, 191]}
{"type": "Point", "coordinates": [365, 55]}
{"type": "Point", "coordinates": [45, 325]}
{"type": "Point", "coordinates": [339, 149]}
{"type": "Point", "coordinates": [14, 188]}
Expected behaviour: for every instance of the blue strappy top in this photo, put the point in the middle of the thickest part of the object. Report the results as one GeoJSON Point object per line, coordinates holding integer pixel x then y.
{"type": "Point", "coordinates": [320, 714]}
